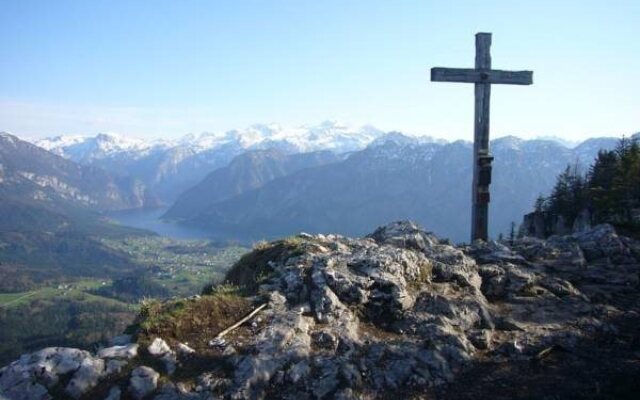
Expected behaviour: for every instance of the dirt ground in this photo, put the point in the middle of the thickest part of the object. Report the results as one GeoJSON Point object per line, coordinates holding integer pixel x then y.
{"type": "Point", "coordinates": [603, 366]}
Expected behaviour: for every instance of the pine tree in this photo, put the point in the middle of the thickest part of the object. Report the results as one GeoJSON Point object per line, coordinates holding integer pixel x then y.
{"type": "Point", "coordinates": [626, 181]}
{"type": "Point", "coordinates": [512, 233]}
{"type": "Point", "coordinates": [610, 190]}
{"type": "Point", "coordinates": [600, 183]}
{"type": "Point", "coordinates": [569, 196]}
{"type": "Point", "coordinates": [540, 204]}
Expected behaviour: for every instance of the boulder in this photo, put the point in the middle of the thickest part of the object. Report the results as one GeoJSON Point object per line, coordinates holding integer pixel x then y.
{"type": "Point", "coordinates": [34, 374]}
{"type": "Point", "coordinates": [127, 351]}
{"type": "Point", "coordinates": [404, 234]}
{"type": "Point", "coordinates": [493, 252]}
{"type": "Point", "coordinates": [143, 381]}
{"type": "Point", "coordinates": [86, 377]}
{"type": "Point", "coordinates": [158, 348]}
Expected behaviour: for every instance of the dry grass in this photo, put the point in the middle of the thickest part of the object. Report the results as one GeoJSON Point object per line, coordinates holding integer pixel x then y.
{"type": "Point", "coordinates": [253, 268]}
{"type": "Point", "coordinates": [191, 321]}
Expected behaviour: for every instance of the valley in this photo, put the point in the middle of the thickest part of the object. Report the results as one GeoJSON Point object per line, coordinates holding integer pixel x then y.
{"type": "Point", "coordinates": [68, 308]}
{"type": "Point", "coordinates": [91, 226]}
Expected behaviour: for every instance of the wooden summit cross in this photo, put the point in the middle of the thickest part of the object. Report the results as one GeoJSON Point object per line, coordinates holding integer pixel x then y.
{"type": "Point", "coordinates": [482, 76]}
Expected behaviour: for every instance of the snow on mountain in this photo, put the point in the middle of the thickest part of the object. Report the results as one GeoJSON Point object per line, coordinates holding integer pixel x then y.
{"type": "Point", "coordinates": [103, 145]}
{"type": "Point", "coordinates": [168, 167]}
{"type": "Point", "coordinates": [585, 150]}
{"type": "Point", "coordinates": [565, 142]}
{"type": "Point", "coordinates": [328, 135]}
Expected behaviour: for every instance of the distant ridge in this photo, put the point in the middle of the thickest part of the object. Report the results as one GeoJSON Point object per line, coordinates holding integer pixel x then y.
{"type": "Point", "coordinates": [370, 177]}
{"type": "Point", "coordinates": [395, 177]}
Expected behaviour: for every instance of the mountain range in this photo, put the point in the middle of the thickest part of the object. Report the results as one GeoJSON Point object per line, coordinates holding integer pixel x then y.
{"type": "Point", "coordinates": [169, 167]}
{"type": "Point", "coordinates": [267, 181]}
{"type": "Point", "coordinates": [395, 177]}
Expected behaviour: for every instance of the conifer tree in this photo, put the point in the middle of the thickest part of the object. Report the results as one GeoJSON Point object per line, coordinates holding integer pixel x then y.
{"type": "Point", "coordinates": [600, 183]}
{"type": "Point", "coordinates": [610, 190]}
{"type": "Point", "coordinates": [540, 204]}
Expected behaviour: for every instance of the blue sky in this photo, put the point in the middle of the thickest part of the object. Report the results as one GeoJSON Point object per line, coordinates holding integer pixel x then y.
{"type": "Point", "coordinates": [166, 68]}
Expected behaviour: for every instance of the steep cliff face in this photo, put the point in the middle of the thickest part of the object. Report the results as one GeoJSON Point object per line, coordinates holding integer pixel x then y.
{"type": "Point", "coordinates": [32, 175]}
{"type": "Point", "coordinates": [397, 313]}
{"type": "Point", "coordinates": [542, 224]}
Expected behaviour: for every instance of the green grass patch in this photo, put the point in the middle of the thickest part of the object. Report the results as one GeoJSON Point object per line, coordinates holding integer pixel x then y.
{"type": "Point", "coordinates": [253, 268]}
{"type": "Point", "coordinates": [8, 298]}
{"type": "Point", "coordinates": [193, 321]}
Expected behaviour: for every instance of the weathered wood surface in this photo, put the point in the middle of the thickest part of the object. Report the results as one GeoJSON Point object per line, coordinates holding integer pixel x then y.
{"type": "Point", "coordinates": [470, 75]}
{"type": "Point", "coordinates": [482, 76]}
{"type": "Point", "coordinates": [480, 206]}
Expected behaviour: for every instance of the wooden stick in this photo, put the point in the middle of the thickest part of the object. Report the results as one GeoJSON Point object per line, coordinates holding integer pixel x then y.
{"type": "Point", "coordinates": [544, 353]}
{"type": "Point", "coordinates": [242, 321]}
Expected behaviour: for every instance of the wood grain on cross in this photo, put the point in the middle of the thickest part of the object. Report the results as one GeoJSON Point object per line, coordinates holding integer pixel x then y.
{"type": "Point", "coordinates": [482, 76]}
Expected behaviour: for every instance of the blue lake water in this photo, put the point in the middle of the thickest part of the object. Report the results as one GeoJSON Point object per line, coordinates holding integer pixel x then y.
{"type": "Point", "coordinates": [150, 220]}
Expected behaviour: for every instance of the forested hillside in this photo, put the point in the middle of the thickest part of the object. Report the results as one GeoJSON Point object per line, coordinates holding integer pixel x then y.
{"type": "Point", "coordinates": [608, 192]}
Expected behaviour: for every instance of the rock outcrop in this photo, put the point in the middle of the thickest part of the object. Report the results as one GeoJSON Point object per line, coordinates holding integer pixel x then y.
{"type": "Point", "coordinates": [399, 312]}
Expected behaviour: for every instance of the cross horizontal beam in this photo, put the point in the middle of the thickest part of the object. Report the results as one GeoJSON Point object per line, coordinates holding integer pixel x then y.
{"type": "Point", "coordinates": [470, 75]}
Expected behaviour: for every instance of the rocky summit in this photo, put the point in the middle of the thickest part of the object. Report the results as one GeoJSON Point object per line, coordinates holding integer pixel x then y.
{"type": "Point", "coordinates": [399, 313]}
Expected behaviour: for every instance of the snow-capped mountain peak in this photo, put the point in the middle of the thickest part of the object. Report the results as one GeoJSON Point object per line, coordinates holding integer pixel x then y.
{"type": "Point", "coordinates": [328, 135]}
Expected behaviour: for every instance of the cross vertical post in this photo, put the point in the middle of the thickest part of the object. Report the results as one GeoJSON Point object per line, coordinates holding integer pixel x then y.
{"type": "Point", "coordinates": [482, 76]}
{"type": "Point", "coordinates": [480, 188]}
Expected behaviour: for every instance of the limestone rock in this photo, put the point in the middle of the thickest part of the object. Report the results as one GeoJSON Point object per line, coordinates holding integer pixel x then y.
{"type": "Point", "coordinates": [114, 393]}
{"type": "Point", "coordinates": [34, 374]}
{"type": "Point", "coordinates": [169, 361]}
{"type": "Point", "coordinates": [86, 377]}
{"type": "Point", "coordinates": [184, 350]}
{"type": "Point", "coordinates": [114, 366]}
{"type": "Point", "coordinates": [144, 380]}
{"type": "Point", "coordinates": [399, 311]}
{"type": "Point", "coordinates": [158, 347]}
{"type": "Point", "coordinates": [127, 351]}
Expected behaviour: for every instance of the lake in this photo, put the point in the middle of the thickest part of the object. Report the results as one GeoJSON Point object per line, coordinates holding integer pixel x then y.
{"type": "Point", "coordinates": [149, 219]}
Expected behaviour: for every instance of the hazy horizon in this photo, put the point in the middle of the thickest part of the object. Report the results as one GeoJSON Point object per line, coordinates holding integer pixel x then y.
{"type": "Point", "coordinates": [435, 136]}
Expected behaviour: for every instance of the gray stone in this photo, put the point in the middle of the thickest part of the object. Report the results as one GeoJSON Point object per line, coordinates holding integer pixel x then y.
{"type": "Point", "coordinates": [115, 366]}
{"type": "Point", "coordinates": [114, 394]}
{"type": "Point", "coordinates": [480, 338]}
{"type": "Point", "coordinates": [144, 381]}
{"type": "Point", "coordinates": [121, 340]}
{"type": "Point", "coordinates": [158, 347]}
{"type": "Point", "coordinates": [183, 350]}
{"type": "Point", "coordinates": [127, 351]}
{"type": "Point", "coordinates": [26, 390]}
{"type": "Point", "coordinates": [33, 374]}
{"type": "Point", "coordinates": [298, 371]}
{"type": "Point", "coordinates": [86, 377]}
{"type": "Point", "coordinates": [169, 361]}
{"type": "Point", "coordinates": [399, 310]}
